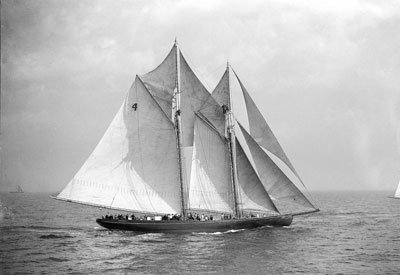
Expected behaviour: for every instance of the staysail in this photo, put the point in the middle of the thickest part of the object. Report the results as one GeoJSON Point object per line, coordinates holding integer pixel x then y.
{"type": "Point", "coordinates": [274, 180]}
{"type": "Point", "coordinates": [260, 130]}
{"type": "Point", "coordinates": [134, 166]}
{"type": "Point", "coordinates": [210, 181]}
{"type": "Point", "coordinates": [252, 194]}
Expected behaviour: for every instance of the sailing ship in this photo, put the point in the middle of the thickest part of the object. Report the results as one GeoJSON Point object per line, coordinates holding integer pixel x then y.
{"type": "Point", "coordinates": [175, 148]}
{"type": "Point", "coordinates": [19, 190]}
{"type": "Point", "coordinates": [397, 193]}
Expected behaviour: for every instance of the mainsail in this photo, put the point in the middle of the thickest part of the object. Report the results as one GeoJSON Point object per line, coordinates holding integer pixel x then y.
{"type": "Point", "coordinates": [172, 147]}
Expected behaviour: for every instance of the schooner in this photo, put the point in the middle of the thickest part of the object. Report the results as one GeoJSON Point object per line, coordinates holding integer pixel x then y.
{"type": "Point", "coordinates": [175, 148]}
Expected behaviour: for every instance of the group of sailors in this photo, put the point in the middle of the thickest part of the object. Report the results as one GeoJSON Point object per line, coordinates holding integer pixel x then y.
{"type": "Point", "coordinates": [169, 217]}
{"type": "Point", "coordinates": [198, 217]}
{"type": "Point", "coordinates": [119, 217]}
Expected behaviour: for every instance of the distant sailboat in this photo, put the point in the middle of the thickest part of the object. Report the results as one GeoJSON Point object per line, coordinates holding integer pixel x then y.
{"type": "Point", "coordinates": [19, 190]}
{"type": "Point", "coordinates": [397, 193]}
{"type": "Point", "coordinates": [173, 148]}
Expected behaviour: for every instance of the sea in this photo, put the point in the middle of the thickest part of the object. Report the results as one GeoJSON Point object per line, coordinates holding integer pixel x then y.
{"type": "Point", "coordinates": [354, 233]}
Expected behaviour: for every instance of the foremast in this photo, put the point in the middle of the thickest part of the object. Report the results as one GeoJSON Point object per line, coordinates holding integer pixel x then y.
{"type": "Point", "coordinates": [230, 133]}
{"type": "Point", "coordinates": [178, 130]}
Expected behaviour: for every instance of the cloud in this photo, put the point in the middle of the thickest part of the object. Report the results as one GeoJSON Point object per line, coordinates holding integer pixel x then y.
{"type": "Point", "coordinates": [324, 73]}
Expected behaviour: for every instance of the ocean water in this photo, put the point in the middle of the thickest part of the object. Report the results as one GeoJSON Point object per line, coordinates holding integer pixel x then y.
{"type": "Point", "coordinates": [355, 233]}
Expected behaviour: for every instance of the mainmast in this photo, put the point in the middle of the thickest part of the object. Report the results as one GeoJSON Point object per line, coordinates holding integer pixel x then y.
{"type": "Point", "coordinates": [230, 121]}
{"type": "Point", "coordinates": [178, 128]}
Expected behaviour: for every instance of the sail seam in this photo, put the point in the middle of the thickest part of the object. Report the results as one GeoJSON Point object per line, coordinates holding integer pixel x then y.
{"type": "Point", "coordinates": [209, 125]}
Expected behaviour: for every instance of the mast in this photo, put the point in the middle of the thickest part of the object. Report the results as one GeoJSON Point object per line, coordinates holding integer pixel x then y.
{"type": "Point", "coordinates": [232, 144]}
{"type": "Point", "coordinates": [178, 128]}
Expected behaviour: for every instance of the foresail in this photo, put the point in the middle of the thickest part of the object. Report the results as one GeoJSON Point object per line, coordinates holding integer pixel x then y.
{"type": "Point", "coordinates": [134, 166]}
{"type": "Point", "coordinates": [252, 194]}
{"type": "Point", "coordinates": [274, 180]}
{"type": "Point", "coordinates": [210, 181]}
{"type": "Point", "coordinates": [261, 132]}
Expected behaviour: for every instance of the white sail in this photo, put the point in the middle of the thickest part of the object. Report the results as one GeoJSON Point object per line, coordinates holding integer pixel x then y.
{"type": "Point", "coordinates": [221, 91]}
{"type": "Point", "coordinates": [161, 83]}
{"type": "Point", "coordinates": [210, 182]}
{"type": "Point", "coordinates": [274, 180]}
{"type": "Point", "coordinates": [195, 98]}
{"type": "Point", "coordinates": [134, 166]}
{"type": "Point", "coordinates": [252, 194]}
{"type": "Point", "coordinates": [397, 193]}
{"type": "Point", "coordinates": [261, 132]}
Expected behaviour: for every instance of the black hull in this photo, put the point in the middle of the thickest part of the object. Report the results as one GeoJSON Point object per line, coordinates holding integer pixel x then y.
{"type": "Point", "coordinates": [174, 226]}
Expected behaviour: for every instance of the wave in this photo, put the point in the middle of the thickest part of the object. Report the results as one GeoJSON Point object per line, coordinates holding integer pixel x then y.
{"type": "Point", "coordinates": [6, 213]}
{"type": "Point", "coordinates": [151, 241]}
{"type": "Point", "coordinates": [38, 227]}
{"type": "Point", "coordinates": [219, 233]}
{"type": "Point", "coordinates": [54, 259]}
{"type": "Point", "coordinates": [54, 236]}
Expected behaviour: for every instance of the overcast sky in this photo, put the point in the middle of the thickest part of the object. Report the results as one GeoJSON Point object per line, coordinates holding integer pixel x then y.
{"type": "Point", "coordinates": [326, 75]}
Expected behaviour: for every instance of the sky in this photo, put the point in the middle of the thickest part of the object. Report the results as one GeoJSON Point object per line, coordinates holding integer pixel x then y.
{"type": "Point", "coordinates": [325, 74]}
